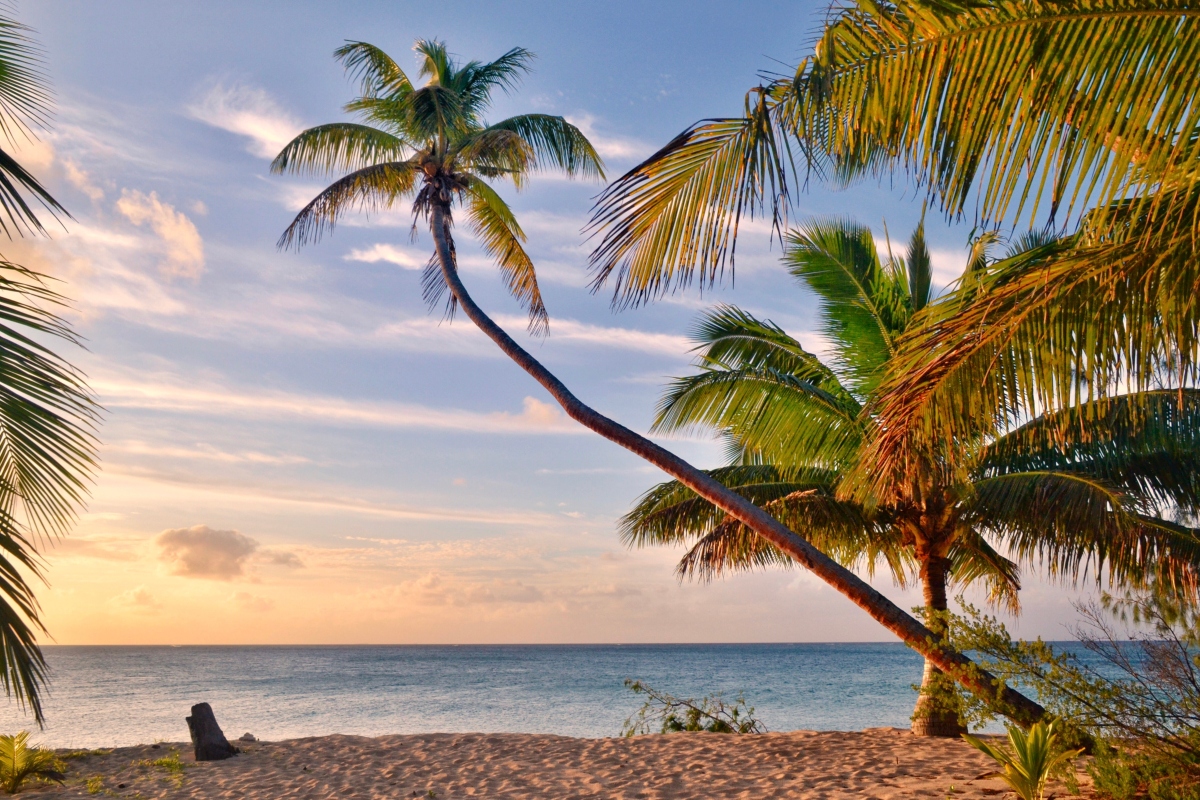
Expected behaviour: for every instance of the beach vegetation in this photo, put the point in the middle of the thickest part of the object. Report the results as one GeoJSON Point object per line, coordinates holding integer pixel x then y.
{"type": "Point", "coordinates": [171, 764]}
{"type": "Point", "coordinates": [1032, 759]}
{"type": "Point", "coordinates": [665, 713]}
{"type": "Point", "coordinates": [95, 784]}
{"type": "Point", "coordinates": [1135, 702]}
{"type": "Point", "coordinates": [796, 428]}
{"type": "Point", "coordinates": [21, 761]}
{"type": "Point", "coordinates": [431, 145]}
{"type": "Point", "coordinates": [47, 413]}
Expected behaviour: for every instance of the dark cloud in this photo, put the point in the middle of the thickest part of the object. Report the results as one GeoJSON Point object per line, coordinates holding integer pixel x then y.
{"type": "Point", "coordinates": [201, 552]}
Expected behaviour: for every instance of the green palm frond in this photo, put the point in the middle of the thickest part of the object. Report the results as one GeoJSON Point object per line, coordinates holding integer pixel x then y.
{"type": "Point", "coordinates": [555, 143]}
{"type": "Point", "coordinates": [972, 559]}
{"type": "Point", "coordinates": [1072, 522]}
{"type": "Point", "coordinates": [373, 188]}
{"type": "Point", "coordinates": [475, 82]}
{"type": "Point", "coordinates": [1085, 100]}
{"type": "Point", "coordinates": [494, 153]}
{"type": "Point", "coordinates": [377, 73]}
{"type": "Point", "coordinates": [728, 337]}
{"type": "Point", "coordinates": [863, 305]}
{"type": "Point", "coordinates": [47, 456]}
{"type": "Point", "coordinates": [920, 269]}
{"type": "Point", "coordinates": [339, 147]}
{"type": "Point", "coordinates": [673, 218]}
{"type": "Point", "coordinates": [493, 223]}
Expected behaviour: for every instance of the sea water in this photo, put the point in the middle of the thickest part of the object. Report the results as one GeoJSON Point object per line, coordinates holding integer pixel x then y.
{"type": "Point", "coordinates": [112, 696]}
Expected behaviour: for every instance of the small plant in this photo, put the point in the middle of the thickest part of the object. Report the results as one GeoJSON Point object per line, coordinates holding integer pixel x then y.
{"type": "Point", "coordinates": [1034, 760]}
{"type": "Point", "coordinates": [20, 761]}
{"type": "Point", "coordinates": [95, 784]}
{"type": "Point", "coordinates": [73, 754]}
{"type": "Point", "coordinates": [670, 714]}
{"type": "Point", "coordinates": [169, 763]}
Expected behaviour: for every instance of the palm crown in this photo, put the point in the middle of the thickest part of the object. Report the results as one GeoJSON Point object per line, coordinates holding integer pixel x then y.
{"type": "Point", "coordinates": [432, 143]}
{"type": "Point", "coordinates": [797, 427]}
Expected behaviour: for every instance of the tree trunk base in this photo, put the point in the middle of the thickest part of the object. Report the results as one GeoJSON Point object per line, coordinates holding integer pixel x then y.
{"type": "Point", "coordinates": [208, 740]}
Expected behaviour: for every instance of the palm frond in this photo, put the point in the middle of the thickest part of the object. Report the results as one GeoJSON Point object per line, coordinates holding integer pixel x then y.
{"type": "Point", "coordinates": [920, 269]}
{"type": "Point", "coordinates": [556, 143]}
{"type": "Point", "coordinates": [377, 73]}
{"type": "Point", "coordinates": [339, 147]}
{"type": "Point", "coordinates": [972, 558]}
{"type": "Point", "coordinates": [1071, 522]}
{"type": "Point", "coordinates": [492, 221]}
{"type": "Point", "coordinates": [674, 218]}
{"type": "Point", "coordinates": [863, 306]}
{"type": "Point", "coordinates": [372, 188]}
{"type": "Point", "coordinates": [475, 82]}
{"type": "Point", "coordinates": [47, 457]}
{"type": "Point", "coordinates": [1046, 105]}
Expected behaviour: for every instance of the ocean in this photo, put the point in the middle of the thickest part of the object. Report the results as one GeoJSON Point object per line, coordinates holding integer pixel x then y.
{"type": "Point", "coordinates": [114, 696]}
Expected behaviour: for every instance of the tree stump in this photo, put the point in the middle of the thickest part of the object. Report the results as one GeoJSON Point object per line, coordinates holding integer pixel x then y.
{"type": "Point", "coordinates": [208, 740]}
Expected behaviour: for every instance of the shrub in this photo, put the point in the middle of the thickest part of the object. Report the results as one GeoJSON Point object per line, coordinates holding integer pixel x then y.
{"type": "Point", "coordinates": [670, 714]}
{"type": "Point", "coordinates": [1036, 757]}
{"type": "Point", "coordinates": [1139, 706]}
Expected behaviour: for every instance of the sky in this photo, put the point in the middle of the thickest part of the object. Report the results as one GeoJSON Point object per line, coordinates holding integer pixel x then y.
{"type": "Point", "coordinates": [294, 450]}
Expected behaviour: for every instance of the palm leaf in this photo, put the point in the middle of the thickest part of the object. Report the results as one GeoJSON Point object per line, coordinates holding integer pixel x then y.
{"type": "Point", "coordinates": [372, 188]}
{"type": "Point", "coordinates": [377, 73]}
{"type": "Point", "coordinates": [492, 221]}
{"type": "Point", "coordinates": [557, 143]}
{"type": "Point", "coordinates": [338, 147]}
{"type": "Point", "coordinates": [674, 218]}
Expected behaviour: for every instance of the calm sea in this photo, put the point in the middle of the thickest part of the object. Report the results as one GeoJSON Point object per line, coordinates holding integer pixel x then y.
{"type": "Point", "coordinates": [105, 696]}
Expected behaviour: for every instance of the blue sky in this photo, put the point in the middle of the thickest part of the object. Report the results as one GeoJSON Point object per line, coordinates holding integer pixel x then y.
{"type": "Point", "coordinates": [294, 449]}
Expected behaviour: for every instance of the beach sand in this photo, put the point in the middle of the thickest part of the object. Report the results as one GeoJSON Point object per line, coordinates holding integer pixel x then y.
{"type": "Point", "coordinates": [876, 763]}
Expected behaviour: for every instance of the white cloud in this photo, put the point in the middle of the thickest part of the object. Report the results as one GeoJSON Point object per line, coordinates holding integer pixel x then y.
{"type": "Point", "coordinates": [618, 148]}
{"type": "Point", "coordinates": [138, 598]}
{"type": "Point", "coordinates": [201, 453]}
{"type": "Point", "coordinates": [535, 417]}
{"type": "Point", "coordinates": [570, 330]}
{"type": "Point", "coordinates": [280, 558]}
{"type": "Point", "coordinates": [435, 590]}
{"type": "Point", "coordinates": [388, 253]}
{"type": "Point", "coordinates": [201, 552]}
{"type": "Point", "coordinates": [184, 249]}
{"type": "Point", "coordinates": [247, 111]}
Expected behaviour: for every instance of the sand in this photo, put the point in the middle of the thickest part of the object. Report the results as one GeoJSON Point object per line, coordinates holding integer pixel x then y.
{"type": "Point", "coordinates": [877, 763]}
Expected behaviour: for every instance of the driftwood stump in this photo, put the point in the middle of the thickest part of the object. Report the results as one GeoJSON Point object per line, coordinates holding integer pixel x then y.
{"type": "Point", "coordinates": [208, 741]}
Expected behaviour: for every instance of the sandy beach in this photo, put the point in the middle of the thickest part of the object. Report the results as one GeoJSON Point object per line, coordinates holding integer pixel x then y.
{"type": "Point", "coordinates": [883, 763]}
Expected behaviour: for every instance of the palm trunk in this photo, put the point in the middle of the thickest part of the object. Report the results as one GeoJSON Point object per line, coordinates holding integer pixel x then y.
{"type": "Point", "coordinates": [884, 611]}
{"type": "Point", "coordinates": [935, 715]}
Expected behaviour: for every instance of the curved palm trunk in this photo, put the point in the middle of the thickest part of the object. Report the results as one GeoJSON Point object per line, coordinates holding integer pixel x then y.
{"type": "Point", "coordinates": [933, 716]}
{"type": "Point", "coordinates": [884, 611]}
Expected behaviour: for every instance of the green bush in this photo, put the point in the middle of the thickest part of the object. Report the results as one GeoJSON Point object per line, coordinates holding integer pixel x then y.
{"type": "Point", "coordinates": [1140, 712]}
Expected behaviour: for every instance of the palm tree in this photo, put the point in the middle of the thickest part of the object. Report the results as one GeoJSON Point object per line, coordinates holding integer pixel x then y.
{"type": "Point", "coordinates": [47, 415]}
{"type": "Point", "coordinates": [432, 144]}
{"type": "Point", "coordinates": [796, 427]}
{"type": "Point", "coordinates": [1080, 113]}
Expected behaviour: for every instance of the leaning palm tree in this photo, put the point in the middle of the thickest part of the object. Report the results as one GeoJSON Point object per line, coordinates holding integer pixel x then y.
{"type": "Point", "coordinates": [432, 145]}
{"type": "Point", "coordinates": [1078, 114]}
{"type": "Point", "coordinates": [796, 426]}
{"type": "Point", "coordinates": [47, 449]}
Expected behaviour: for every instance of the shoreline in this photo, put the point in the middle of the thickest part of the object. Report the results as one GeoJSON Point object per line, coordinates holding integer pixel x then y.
{"type": "Point", "coordinates": [884, 763]}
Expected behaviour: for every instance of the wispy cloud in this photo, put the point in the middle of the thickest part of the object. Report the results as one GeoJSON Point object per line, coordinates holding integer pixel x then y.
{"type": "Point", "coordinates": [616, 148]}
{"type": "Point", "coordinates": [247, 111]}
{"type": "Point", "coordinates": [535, 416]}
{"type": "Point", "coordinates": [404, 259]}
{"type": "Point", "coordinates": [182, 246]}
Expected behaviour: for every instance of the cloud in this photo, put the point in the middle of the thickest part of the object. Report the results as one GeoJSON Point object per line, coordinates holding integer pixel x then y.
{"type": "Point", "coordinates": [138, 599]}
{"type": "Point", "coordinates": [247, 111]}
{"type": "Point", "coordinates": [82, 181]}
{"type": "Point", "coordinates": [434, 590]}
{"type": "Point", "coordinates": [569, 330]}
{"type": "Point", "coordinates": [388, 253]}
{"type": "Point", "coordinates": [618, 148]}
{"type": "Point", "coordinates": [104, 548]}
{"type": "Point", "coordinates": [183, 246]}
{"type": "Point", "coordinates": [280, 558]}
{"type": "Point", "coordinates": [252, 602]}
{"type": "Point", "coordinates": [201, 452]}
{"type": "Point", "coordinates": [201, 552]}
{"type": "Point", "coordinates": [535, 417]}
